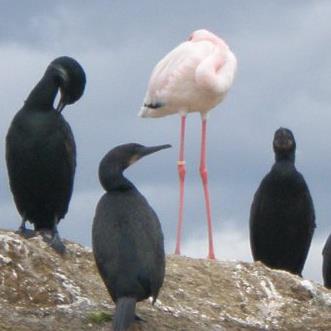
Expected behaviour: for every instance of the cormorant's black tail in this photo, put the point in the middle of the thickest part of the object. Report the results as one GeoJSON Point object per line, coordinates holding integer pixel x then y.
{"type": "Point", "coordinates": [124, 314]}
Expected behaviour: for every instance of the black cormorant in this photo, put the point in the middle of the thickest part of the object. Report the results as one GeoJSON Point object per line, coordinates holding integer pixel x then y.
{"type": "Point", "coordinates": [327, 263]}
{"type": "Point", "coordinates": [282, 219]}
{"type": "Point", "coordinates": [41, 151]}
{"type": "Point", "coordinates": [126, 236]}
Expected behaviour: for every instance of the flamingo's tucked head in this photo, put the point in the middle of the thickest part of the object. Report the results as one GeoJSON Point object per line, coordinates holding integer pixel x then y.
{"type": "Point", "coordinates": [205, 35]}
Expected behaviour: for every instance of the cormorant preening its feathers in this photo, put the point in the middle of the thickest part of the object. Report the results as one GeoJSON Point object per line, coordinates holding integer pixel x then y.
{"type": "Point", "coordinates": [327, 263]}
{"type": "Point", "coordinates": [126, 236]}
{"type": "Point", "coordinates": [41, 151]}
{"type": "Point", "coordinates": [282, 219]}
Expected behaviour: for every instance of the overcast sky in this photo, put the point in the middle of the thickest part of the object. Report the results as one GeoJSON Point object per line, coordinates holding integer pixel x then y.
{"type": "Point", "coordinates": [284, 79]}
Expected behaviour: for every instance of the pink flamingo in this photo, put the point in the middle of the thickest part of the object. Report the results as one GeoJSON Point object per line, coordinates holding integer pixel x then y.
{"type": "Point", "coordinates": [193, 77]}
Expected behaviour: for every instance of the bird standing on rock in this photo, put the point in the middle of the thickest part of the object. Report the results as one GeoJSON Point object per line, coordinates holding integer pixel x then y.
{"type": "Point", "coordinates": [41, 151]}
{"type": "Point", "coordinates": [282, 219]}
{"type": "Point", "coordinates": [127, 238]}
{"type": "Point", "coordinates": [193, 77]}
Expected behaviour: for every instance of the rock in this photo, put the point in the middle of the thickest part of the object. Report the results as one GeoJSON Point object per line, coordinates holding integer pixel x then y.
{"type": "Point", "coordinates": [40, 290]}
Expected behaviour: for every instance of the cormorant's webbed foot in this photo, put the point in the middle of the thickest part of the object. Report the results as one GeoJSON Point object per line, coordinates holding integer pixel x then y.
{"type": "Point", "coordinates": [57, 244]}
{"type": "Point", "coordinates": [54, 241]}
{"type": "Point", "coordinates": [24, 232]}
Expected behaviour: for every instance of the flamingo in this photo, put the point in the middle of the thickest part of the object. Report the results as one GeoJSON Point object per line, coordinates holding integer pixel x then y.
{"type": "Point", "coordinates": [193, 77]}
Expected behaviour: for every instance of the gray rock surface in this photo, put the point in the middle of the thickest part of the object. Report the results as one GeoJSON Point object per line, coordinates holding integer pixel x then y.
{"type": "Point", "coordinates": [40, 290]}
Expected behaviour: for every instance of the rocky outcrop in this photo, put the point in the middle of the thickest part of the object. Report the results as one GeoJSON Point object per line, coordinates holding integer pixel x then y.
{"type": "Point", "coordinates": [40, 290]}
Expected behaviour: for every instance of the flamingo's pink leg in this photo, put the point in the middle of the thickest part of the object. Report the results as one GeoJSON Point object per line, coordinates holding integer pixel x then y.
{"type": "Point", "coordinates": [181, 172]}
{"type": "Point", "coordinates": [204, 177]}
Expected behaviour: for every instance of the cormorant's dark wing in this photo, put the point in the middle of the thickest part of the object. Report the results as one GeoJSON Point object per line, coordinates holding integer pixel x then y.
{"type": "Point", "coordinates": [256, 218]}
{"type": "Point", "coordinates": [16, 161]}
{"type": "Point", "coordinates": [327, 263]}
{"type": "Point", "coordinates": [156, 273]}
{"type": "Point", "coordinates": [70, 148]}
{"type": "Point", "coordinates": [66, 147]}
{"type": "Point", "coordinates": [306, 222]}
{"type": "Point", "coordinates": [310, 206]}
{"type": "Point", "coordinates": [327, 247]}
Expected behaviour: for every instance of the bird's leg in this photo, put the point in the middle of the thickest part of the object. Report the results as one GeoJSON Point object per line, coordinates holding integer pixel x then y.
{"type": "Point", "coordinates": [204, 178]}
{"type": "Point", "coordinates": [181, 172]}
{"type": "Point", "coordinates": [55, 241]}
{"type": "Point", "coordinates": [23, 231]}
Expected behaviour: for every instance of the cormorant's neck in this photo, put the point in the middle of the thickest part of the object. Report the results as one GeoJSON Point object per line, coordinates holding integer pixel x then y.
{"type": "Point", "coordinates": [43, 94]}
{"type": "Point", "coordinates": [284, 166]}
{"type": "Point", "coordinates": [288, 157]}
{"type": "Point", "coordinates": [114, 180]}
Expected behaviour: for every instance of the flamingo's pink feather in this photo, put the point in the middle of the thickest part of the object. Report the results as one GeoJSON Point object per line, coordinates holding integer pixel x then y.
{"type": "Point", "coordinates": [193, 77]}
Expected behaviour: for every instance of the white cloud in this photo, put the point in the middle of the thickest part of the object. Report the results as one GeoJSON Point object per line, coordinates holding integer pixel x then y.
{"type": "Point", "coordinates": [233, 244]}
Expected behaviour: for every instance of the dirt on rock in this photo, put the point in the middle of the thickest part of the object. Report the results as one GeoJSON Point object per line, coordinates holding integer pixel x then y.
{"type": "Point", "coordinates": [41, 290]}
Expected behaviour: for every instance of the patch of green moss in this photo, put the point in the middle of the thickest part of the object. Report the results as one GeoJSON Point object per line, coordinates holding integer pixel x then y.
{"type": "Point", "coordinates": [98, 317]}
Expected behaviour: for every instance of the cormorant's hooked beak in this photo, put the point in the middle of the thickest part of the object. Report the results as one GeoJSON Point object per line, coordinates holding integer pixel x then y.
{"type": "Point", "coordinates": [61, 105]}
{"type": "Point", "coordinates": [143, 151]}
{"type": "Point", "coordinates": [152, 149]}
{"type": "Point", "coordinates": [64, 77]}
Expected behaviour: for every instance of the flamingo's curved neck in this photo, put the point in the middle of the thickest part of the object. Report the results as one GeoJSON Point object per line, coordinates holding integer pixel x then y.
{"type": "Point", "coordinates": [217, 71]}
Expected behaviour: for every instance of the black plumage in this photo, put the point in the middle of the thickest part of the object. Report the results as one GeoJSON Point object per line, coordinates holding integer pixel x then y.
{"type": "Point", "coordinates": [41, 151]}
{"type": "Point", "coordinates": [327, 263]}
{"type": "Point", "coordinates": [282, 218]}
{"type": "Point", "coordinates": [126, 236]}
